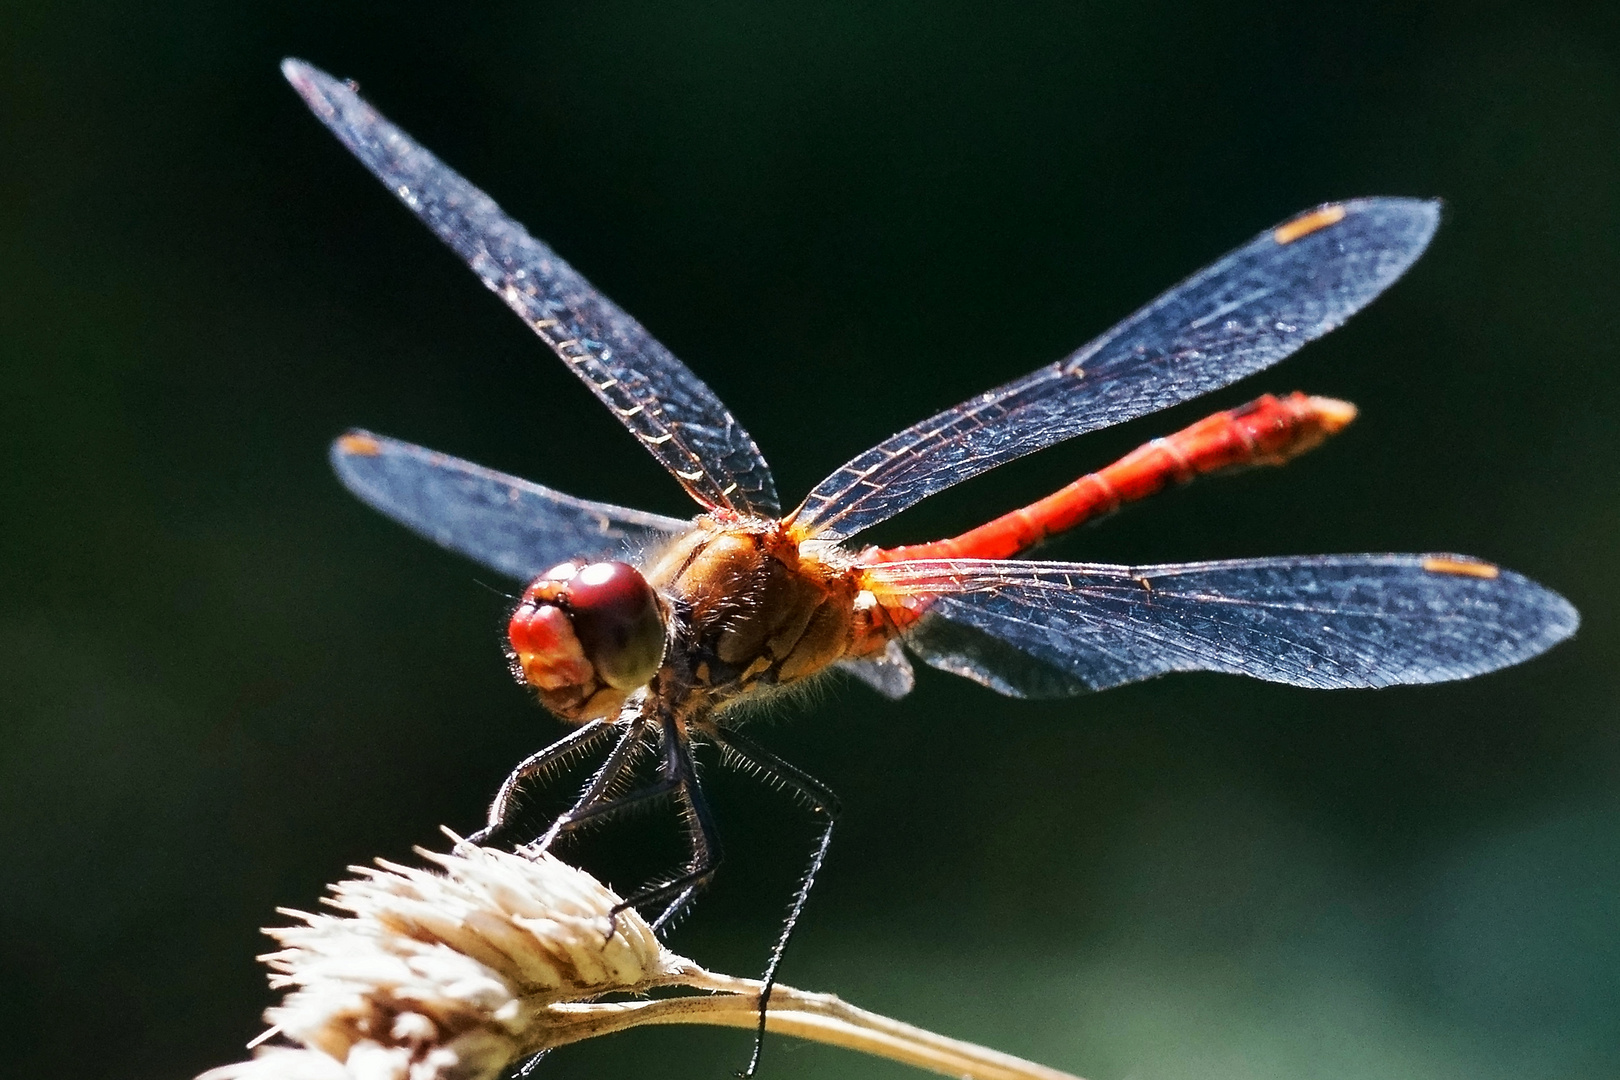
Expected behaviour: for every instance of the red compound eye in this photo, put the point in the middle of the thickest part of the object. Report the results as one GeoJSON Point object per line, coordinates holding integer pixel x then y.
{"type": "Point", "coordinates": [617, 619]}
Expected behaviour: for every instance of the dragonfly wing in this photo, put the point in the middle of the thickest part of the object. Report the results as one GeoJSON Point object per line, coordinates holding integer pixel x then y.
{"type": "Point", "coordinates": [889, 674]}
{"type": "Point", "coordinates": [987, 660]}
{"type": "Point", "coordinates": [1321, 621]}
{"type": "Point", "coordinates": [1286, 287]}
{"type": "Point", "coordinates": [669, 409]}
{"type": "Point", "coordinates": [514, 527]}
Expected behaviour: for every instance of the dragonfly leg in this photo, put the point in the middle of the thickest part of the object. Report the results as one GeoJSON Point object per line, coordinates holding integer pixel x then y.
{"type": "Point", "coordinates": [824, 804]}
{"type": "Point", "coordinates": [578, 741]}
{"type": "Point", "coordinates": [596, 790]}
{"type": "Point", "coordinates": [609, 807]}
{"type": "Point", "coordinates": [678, 777]}
{"type": "Point", "coordinates": [704, 858]}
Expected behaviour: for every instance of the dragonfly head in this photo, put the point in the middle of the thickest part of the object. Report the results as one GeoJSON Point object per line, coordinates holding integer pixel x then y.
{"type": "Point", "coordinates": [586, 636]}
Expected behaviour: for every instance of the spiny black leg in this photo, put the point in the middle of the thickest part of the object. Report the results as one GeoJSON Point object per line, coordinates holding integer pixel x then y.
{"type": "Point", "coordinates": [680, 772]}
{"type": "Point", "coordinates": [607, 808]}
{"type": "Point", "coordinates": [822, 802]}
{"type": "Point", "coordinates": [579, 740]}
{"type": "Point", "coordinates": [596, 790]}
{"type": "Point", "coordinates": [676, 908]}
{"type": "Point", "coordinates": [699, 820]}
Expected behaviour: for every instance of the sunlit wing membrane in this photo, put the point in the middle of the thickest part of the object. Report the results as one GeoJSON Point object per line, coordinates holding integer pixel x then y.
{"type": "Point", "coordinates": [1323, 621]}
{"type": "Point", "coordinates": [674, 414]}
{"type": "Point", "coordinates": [889, 673]}
{"type": "Point", "coordinates": [1286, 287]}
{"type": "Point", "coordinates": [973, 654]}
{"type": "Point", "coordinates": [514, 527]}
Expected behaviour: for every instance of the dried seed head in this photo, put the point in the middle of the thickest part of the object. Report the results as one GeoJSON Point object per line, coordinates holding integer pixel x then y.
{"type": "Point", "coordinates": [455, 973]}
{"type": "Point", "coordinates": [448, 974]}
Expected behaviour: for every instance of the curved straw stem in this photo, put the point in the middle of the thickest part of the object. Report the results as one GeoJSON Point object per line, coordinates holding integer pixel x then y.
{"type": "Point", "coordinates": [823, 1018]}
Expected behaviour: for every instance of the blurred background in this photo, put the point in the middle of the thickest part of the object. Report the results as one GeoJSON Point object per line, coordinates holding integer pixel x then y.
{"type": "Point", "coordinates": [222, 679]}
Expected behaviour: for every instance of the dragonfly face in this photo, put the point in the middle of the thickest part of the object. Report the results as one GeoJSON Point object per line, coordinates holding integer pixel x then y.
{"type": "Point", "coordinates": [643, 629]}
{"type": "Point", "coordinates": [586, 635]}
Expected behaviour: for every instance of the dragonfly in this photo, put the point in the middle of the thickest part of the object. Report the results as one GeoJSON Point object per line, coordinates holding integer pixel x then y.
{"type": "Point", "coordinates": [651, 633]}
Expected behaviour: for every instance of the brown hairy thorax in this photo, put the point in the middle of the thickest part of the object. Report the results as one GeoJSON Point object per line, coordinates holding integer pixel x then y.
{"type": "Point", "coordinates": [751, 610]}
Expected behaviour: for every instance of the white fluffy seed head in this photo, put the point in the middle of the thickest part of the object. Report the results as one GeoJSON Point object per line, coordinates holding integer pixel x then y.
{"type": "Point", "coordinates": [447, 973]}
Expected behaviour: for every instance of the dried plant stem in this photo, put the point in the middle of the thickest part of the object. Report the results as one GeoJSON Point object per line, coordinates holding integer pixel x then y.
{"type": "Point", "coordinates": [823, 1018]}
{"type": "Point", "coordinates": [454, 971]}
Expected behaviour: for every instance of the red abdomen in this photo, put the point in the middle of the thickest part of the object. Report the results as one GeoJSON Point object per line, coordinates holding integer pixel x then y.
{"type": "Point", "coordinates": [1266, 431]}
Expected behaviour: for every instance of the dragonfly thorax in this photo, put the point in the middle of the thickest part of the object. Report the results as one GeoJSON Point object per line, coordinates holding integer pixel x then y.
{"type": "Point", "coordinates": [586, 637]}
{"type": "Point", "coordinates": [751, 612]}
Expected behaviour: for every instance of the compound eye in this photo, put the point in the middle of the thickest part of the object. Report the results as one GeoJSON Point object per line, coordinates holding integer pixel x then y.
{"type": "Point", "coordinates": [617, 620]}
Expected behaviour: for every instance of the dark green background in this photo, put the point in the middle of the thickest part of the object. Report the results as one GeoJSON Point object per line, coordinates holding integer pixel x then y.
{"type": "Point", "coordinates": [223, 679]}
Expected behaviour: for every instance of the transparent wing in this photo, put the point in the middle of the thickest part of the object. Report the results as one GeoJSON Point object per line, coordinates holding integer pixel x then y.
{"type": "Point", "coordinates": [1286, 287]}
{"type": "Point", "coordinates": [889, 673]}
{"type": "Point", "coordinates": [1320, 621]}
{"type": "Point", "coordinates": [674, 414]}
{"type": "Point", "coordinates": [514, 527]}
{"type": "Point", "coordinates": [987, 660]}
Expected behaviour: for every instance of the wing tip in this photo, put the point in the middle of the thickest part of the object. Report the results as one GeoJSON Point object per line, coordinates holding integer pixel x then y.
{"type": "Point", "coordinates": [1418, 217]}
{"type": "Point", "coordinates": [1406, 218]}
{"type": "Point", "coordinates": [1302, 225]}
{"type": "Point", "coordinates": [353, 456]}
{"type": "Point", "coordinates": [1542, 617]}
{"type": "Point", "coordinates": [311, 83]}
{"type": "Point", "coordinates": [356, 442]}
{"type": "Point", "coordinates": [324, 94]}
{"type": "Point", "coordinates": [1564, 618]}
{"type": "Point", "coordinates": [1548, 618]}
